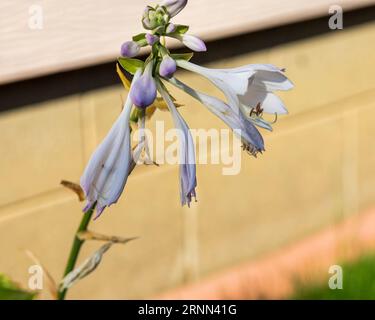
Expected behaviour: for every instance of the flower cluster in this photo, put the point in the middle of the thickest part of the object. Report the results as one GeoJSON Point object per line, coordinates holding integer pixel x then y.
{"type": "Point", "coordinates": [249, 92]}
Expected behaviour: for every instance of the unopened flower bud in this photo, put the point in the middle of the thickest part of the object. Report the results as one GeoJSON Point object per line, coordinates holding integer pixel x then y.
{"type": "Point", "coordinates": [170, 28]}
{"type": "Point", "coordinates": [167, 67]}
{"type": "Point", "coordinates": [174, 6]}
{"type": "Point", "coordinates": [130, 49]}
{"type": "Point", "coordinates": [143, 91]}
{"type": "Point", "coordinates": [192, 42]}
{"type": "Point", "coordinates": [154, 17]}
{"type": "Point", "coordinates": [151, 39]}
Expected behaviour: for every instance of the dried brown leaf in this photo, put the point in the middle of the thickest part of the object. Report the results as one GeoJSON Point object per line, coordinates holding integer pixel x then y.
{"type": "Point", "coordinates": [76, 188]}
{"type": "Point", "coordinates": [90, 235]}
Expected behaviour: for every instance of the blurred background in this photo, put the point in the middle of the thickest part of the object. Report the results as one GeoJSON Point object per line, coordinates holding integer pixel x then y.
{"type": "Point", "coordinates": [272, 231]}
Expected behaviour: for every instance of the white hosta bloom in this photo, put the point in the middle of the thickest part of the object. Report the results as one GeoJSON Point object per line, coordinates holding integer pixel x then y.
{"type": "Point", "coordinates": [266, 79]}
{"type": "Point", "coordinates": [249, 135]}
{"type": "Point", "coordinates": [109, 166]}
{"type": "Point", "coordinates": [247, 86]}
{"type": "Point", "coordinates": [232, 83]}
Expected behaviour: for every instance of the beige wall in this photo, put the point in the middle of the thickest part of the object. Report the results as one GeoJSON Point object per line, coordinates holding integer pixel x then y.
{"type": "Point", "coordinates": [318, 168]}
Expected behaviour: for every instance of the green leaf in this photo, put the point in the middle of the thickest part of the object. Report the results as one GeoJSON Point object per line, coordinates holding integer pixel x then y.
{"type": "Point", "coordinates": [13, 294]}
{"type": "Point", "coordinates": [11, 291]}
{"type": "Point", "coordinates": [139, 37]}
{"type": "Point", "coordinates": [130, 65]}
{"type": "Point", "coordinates": [181, 29]}
{"type": "Point", "coordinates": [182, 56]}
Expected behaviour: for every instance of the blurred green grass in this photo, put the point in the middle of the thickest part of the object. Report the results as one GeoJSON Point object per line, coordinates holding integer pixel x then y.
{"type": "Point", "coordinates": [358, 283]}
{"type": "Point", "coordinates": [10, 290]}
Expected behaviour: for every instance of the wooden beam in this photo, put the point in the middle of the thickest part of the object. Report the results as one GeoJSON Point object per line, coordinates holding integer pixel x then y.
{"type": "Point", "coordinates": [78, 34]}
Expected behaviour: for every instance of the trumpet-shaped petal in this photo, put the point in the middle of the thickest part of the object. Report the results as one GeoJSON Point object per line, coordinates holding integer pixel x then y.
{"type": "Point", "coordinates": [247, 86]}
{"type": "Point", "coordinates": [234, 80]}
{"type": "Point", "coordinates": [192, 42]}
{"type": "Point", "coordinates": [174, 6]}
{"type": "Point", "coordinates": [272, 77]}
{"type": "Point", "coordinates": [188, 180]}
{"type": "Point", "coordinates": [266, 79]}
{"type": "Point", "coordinates": [107, 171]}
{"type": "Point", "coordinates": [250, 136]}
{"type": "Point", "coordinates": [130, 49]}
{"type": "Point", "coordinates": [143, 93]}
{"type": "Point", "coordinates": [167, 67]}
{"type": "Point", "coordinates": [270, 103]}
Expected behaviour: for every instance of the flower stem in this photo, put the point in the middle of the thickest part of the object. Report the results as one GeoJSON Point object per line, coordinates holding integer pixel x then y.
{"type": "Point", "coordinates": [76, 247]}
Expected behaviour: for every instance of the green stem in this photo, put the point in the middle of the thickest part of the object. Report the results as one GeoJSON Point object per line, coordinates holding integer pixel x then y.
{"type": "Point", "coordinates": [76, 247]}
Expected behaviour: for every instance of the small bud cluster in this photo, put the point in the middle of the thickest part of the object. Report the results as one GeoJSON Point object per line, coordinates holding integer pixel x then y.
{"type": "Point", "coordinates": [156, 20]}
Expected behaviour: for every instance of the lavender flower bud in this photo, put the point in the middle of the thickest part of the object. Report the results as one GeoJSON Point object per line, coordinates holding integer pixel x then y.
{"type": "Point", "coordinates": [167, 67]}
{"type": "Point", "coordinates": [143, 91]}
{"type": "Point", "coordinates": [151, 39]}
{"type": "Point", "coordinates": [130, 49]}
{"type": "Point", "coordinates": [170, 28]}
{"type": "Point", "coordinates": [192, 42]}
{"type": "Point", "coordinates": [174, 6]}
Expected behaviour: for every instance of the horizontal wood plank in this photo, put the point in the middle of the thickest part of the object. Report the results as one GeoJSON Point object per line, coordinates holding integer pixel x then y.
{"type": "Point", "coordinates": [87, 32]}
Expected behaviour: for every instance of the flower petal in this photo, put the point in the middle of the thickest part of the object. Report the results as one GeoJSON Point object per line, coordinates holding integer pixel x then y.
{"type": "Point", "coordinates": [224, 79]}
{"type": "Point", "coordinates": [235, 120]}
{"type": "Point", "coordinates": [269, 102]}
{"type": "Point", "coordinates": [271, 73]}
{"type": "Point", "coordinates": [107, 171]}
{"type": "Point", "coordinates": [271, 76]}
{"type": "Point", "coordinates": [188, 180]}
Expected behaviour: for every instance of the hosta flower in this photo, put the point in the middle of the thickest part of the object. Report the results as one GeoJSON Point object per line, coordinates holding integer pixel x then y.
{"type": "Point", "coordinates": [130, 49]}
{"type": "Point", "coordinates": [249, 135]}
{"type": "Point", "coordinates": [107, 171]}
{"type": "Point", "coordinates": [248, 86]}
{"type": "Point", "coordinates": [167, 67]}
{"type": "Point", "coordinates": [231, 81]}
{"type": "Point", "coordinates": [188, 180]}
{"type": "Point", "coordinates": [144, 89]}
{"type": "Point", "coordinates": [266, 79]}
{"type": "Point", "coordinates": [248, 90]}
{"type": "Point", "coordinates": [174, 6]}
